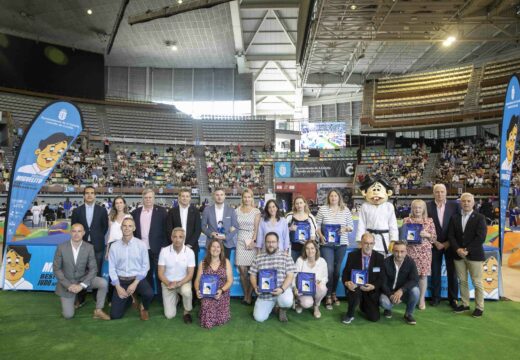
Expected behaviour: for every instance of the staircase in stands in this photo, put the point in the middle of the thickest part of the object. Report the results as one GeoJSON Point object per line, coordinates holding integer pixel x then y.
{"type": "Point", "coordinates": [202, 174]}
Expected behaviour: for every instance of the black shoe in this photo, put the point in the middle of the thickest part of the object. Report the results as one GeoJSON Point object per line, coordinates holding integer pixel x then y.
{"type": "Point", "coordinates": [387, 314]}
{"type": "Point", "coordinates": [409, 319]}
{"type": "Point", "coordinates": [460, 309]}
{"type": "Point", "coordinates": [345, 319]}
{"type": "Point", "coordinates": [434, 302]}
{"type": "Point", "coordinates": [187, 319]}
{"type": "Point", "coordinates": [477, 313]}
{"type": "Point", "coordinates": [453, 304]}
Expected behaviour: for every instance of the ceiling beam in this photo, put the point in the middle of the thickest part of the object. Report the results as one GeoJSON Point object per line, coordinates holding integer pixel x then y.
{"type": "Point", "coordinates": [274, 93]}
{"type": "Point", "coordinates": [284, 74]}
{"type": "Point", "coordinates": [256, 31]}
{"type": "Point", "coordinates": [261, 71]}
{"type": "Point", "coordinates": [115, 29]}
{"type": "Point", "coordinates": [273, 4]}
{"type": "Point", "coordinates": [285, 102]}
{"type": "Point", "coordinates": [396, 38]}
{"type": "Point", "coordinates": [274, 57]}
{"type": "Point", "coordinates": [284, 27]}
{"type": "Point", "coordinates": [236, 24]}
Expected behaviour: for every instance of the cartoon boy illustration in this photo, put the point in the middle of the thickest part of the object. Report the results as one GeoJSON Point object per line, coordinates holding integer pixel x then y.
{"type": "Point", "coordinates": [512, 132]}
{"type": "Point", "coordinates": [490, 277]}
{"type": "Point", "coordinates": [16, 263]}
{"type": "Point", "coordinates": [48, 153]}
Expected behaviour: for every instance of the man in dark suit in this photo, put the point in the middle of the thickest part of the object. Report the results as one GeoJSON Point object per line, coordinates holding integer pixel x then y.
{"type": "Point", "coordinates": [366, 296]}
{"type": "Point", "coordinates": [94, 219]}
{"type": "Point", "coordinates": [441, 211]}
{"type": "Point", "coordinates": [150, 227]}
{"type": "Point", "coordinates": [400, 283]}
{"type": "Point", "coordinates": [186, 216]}
{"type": "Point", "coordinates": [467, 234]}
{"type": "Point", "coordinates": [219, 221]}
{"type": "Point", "coordinates": [75, 268]}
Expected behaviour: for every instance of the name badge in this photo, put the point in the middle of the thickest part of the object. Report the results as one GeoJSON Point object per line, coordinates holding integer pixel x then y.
{"type": "Point", "coordinates": [376, 269]}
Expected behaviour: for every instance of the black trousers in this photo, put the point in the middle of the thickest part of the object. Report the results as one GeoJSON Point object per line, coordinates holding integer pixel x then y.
{"type": "Point", "coordinates": [453, 286]}
{"type": "Point", "coordinates": [368, 303]}
{"type": "Point", "coordinates": [119, 305]}
{"type": "Point", "coordinates": [227, 252]}
{"type": "Point", "coordinates": [154, 267]}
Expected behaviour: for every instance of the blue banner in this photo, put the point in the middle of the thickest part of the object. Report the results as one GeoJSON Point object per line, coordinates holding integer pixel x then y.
{"type": "Point", "coordinates": [282, 169]}
{"type": "Point", "coordinates": [510, 124]}
{"type": "Point", "coordinates": [47, 138]}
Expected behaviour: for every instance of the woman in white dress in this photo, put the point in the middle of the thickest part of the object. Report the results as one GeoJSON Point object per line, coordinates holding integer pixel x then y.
{"type": "Point", "coordinates": [248, 218]}
{"type": "Point", "coordinates": [117, 214]}
{"type": "Point", "coordinates": [36, 211]}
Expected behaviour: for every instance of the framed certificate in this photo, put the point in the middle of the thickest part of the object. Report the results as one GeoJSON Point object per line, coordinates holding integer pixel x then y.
{"type": "Point", "coordinates": [332, 233]}
{"type": "Point", "coordinates": [208, 285]}
{"type": "Point", "coordinates": [267, 281]}
{"type": "Point", "coordinates": [412, 233]}
{"type": "Point", "coordinates": [359, 277]}
{"type": "Point", "coordinates": [306, 283]}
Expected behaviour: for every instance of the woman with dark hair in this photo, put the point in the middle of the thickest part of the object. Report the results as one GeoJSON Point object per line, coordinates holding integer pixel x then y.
{"type": "Point", "coordinates": [214, 311]}
{"type": "Point", "coordinates": [117, 214]}
{"type": "Point", "coordinates": [273, 221]}
{"type": "Point", "coordinates": [334, 222]}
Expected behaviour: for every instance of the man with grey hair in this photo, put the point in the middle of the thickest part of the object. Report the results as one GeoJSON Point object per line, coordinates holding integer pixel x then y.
{"type": "Point", "coordinates": [150, 227]}
{"type": "Point", "coordinates": [441, 210]}
{"type": "Point", "coordinates": [467, 233]}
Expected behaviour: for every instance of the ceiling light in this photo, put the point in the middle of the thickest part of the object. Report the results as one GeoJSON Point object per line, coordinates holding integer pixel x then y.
{"type": "Point", "coordinates": [353, 7]}
{"type": "Point", "coordinates": [179, 1]}
{"type": "Point", "coordinates": [89, 11]}
{"type": "Point", "coordinates": [172, 45]}
{"type": "Point", "coordinates": [449, 41]}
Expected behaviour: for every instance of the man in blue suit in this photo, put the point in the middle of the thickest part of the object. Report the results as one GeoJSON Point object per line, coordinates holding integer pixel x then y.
{"type": "Point", "coordinates": [150, 227]}
{"type": "Point", "coordinates": [219, 221]}
{"type": "Point", "coordinates": [441, 211]}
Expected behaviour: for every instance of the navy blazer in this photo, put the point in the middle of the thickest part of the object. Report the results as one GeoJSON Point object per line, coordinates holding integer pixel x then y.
{"type": "Point", "coordinates": [158, 237]}
{"type": "Point", "coordinates": [472, 238]}
{"type": "Point", "coordinates": [406, 279]}
{"type": "Point", "coordinates": [354, 262]}
{"type": "Point", "coordinates": [193, 227]}
{"type": "Point", "coordinates": [98, 227]}
{"type": "Point", "coordinates": [452, 207]}
{"type": "Point", "coordinates": [209, 224]}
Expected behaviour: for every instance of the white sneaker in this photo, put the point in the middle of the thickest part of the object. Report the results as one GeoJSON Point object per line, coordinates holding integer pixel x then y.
{"type": "Point", "coordinates": [298, 309]}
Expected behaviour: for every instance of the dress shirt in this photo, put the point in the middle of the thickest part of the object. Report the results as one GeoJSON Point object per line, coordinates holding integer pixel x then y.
{"type": "Point", "coordinates": [440, 211]}
{"type": "Point", "coordinates": [176, 264]}
{"type": "Point", "coordinates": [397, 268]}
{"type": "Point", "coordinates": [89, 213]}
{"type": "Point", "coordinates": [465, 218]}
{"type": "Point", "coordinates": [128, 260]}
{"type": "Point", "coordinates": [146, 220]}
{"type": "Point", "coordinates": [366, 261]}
{"type": "Point", "coordinates": [219, 213]}
{"type": "Point", "coordinates": [75, 251]}
{"type": "Point", "coordinates": [183, 212]}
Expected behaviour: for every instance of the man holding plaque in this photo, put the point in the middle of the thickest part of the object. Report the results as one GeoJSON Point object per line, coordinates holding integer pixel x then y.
{"type": "Point", "coordinates": [176, 268]}
{"type": "Point", "coordinates": [400, 283]}
{"type": "Point", "coordinates": [363, 276]}
{"type": "Point", "coordinates": [272, 261]}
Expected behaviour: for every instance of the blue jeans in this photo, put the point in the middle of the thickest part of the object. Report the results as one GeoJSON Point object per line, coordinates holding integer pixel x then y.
{"type": "Point", "coordinates": [264, 307]}
{"type": "Point", "coordinates": [334, 256]}
{"type": "Point", "coordinates": [410, 298]}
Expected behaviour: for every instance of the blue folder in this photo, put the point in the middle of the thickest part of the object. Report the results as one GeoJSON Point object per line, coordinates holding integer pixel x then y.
{"type": "Point", "coordinates": [208, 285]}
{"type": "Point", "coordinates": [359, 277]}
{"type": "Point", "coordinates": [331, 233]}
{"type": "Point", "coordinates": [412, 233]}
{"type": "Point", "coordinates": [267, 281]}
{"type": "Point", "coordinates": [306, 283]}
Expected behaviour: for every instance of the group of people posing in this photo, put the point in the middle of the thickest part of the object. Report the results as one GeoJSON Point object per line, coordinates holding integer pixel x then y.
{"type": "Point", "coordinates": [155, 251]}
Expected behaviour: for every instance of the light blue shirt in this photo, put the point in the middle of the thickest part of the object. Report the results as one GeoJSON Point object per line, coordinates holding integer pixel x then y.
{"type": "Point", "coordinates": [89, 213]}
{"type": "Point", "coordinates": [128, 260]}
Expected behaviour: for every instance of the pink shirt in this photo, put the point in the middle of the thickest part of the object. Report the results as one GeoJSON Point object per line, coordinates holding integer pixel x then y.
{"type": "Point", "coordinates": [146, 220]}
{"type": "Point", "coordinates": [440, 211]}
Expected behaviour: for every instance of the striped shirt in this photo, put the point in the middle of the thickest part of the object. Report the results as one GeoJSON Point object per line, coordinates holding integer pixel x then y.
{"type": "Point", "coordinates": [343, 217]}
{"type": "Point", "coordinates": [279, 261]}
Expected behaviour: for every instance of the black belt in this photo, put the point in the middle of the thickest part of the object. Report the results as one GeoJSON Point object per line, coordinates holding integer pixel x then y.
{"type": "Point", "coordinates": [380, 233]}
{"type": "Point", "coordinates": [130, 278]}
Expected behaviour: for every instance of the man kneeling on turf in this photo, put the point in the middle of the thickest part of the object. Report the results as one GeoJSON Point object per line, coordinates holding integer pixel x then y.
{"type": "Point", "coordinates": [401, 283]}
{"type": "Point", "coordinates": [282, 295]}
{"type": "Point", "coordinates": [75, 268]}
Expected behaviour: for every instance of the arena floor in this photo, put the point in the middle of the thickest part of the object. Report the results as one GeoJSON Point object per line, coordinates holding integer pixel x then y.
{"type": "Point", "coordinates": [33, 328]}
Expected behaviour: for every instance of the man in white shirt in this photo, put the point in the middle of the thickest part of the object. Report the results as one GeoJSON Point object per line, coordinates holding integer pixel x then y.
{"type": "Point", "coordinates": [75, 268]}
{"type": "Point", "coordinates": [176, 269]}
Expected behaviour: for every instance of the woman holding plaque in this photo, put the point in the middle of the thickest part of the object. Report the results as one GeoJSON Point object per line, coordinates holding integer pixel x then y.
{"type": "Point", "coordinates": [420, 251]}
{"type": "Point", "coordinates": [334, 222]}
{"type": "Point", "coordinates": [311, 263]}
{"type": "Point", "coordinates": [273, 221]}
{"type": "Point", "coordinates": [302, 226]}
{"type": "Point", "coordinates": [214, 307]}
{"type": "Point", "coordinates": [248, 218]}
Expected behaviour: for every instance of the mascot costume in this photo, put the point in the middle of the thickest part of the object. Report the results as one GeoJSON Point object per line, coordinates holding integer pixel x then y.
{"type": "Point", "coordinates": [377, 215]}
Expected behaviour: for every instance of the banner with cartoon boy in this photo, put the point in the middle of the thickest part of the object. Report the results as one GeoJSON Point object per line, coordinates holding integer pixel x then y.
{"type": "Point", "coordinates": [47, 138]}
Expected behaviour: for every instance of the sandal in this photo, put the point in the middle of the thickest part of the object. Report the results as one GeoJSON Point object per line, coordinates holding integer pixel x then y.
{"type": "Point", "coordinates": [328, 303]}
{"type": "Point", "coordinates": [335, 299]}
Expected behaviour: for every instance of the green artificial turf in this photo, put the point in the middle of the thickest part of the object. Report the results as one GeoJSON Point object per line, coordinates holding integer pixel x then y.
{"type": "Point", "coordinates": [31, 328]}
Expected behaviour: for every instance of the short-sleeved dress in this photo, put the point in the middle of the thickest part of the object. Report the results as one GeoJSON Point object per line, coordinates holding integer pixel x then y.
{"type": "Point", "coordinates": [422, 253]}
{"type": "Point", "coordinates": [246, 222]}
{"type": "Point", "coordinates": [215, 312]}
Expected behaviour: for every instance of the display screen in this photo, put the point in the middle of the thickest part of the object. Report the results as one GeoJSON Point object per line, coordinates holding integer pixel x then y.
{"type": "Point", "coordinates": [323, 135]}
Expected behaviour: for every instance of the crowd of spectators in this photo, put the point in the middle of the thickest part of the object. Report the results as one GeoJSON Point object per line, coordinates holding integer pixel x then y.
{"type": "Point", "coordinates": [233, 169]}
{"type": "Point", "coordinates": [175, 167]}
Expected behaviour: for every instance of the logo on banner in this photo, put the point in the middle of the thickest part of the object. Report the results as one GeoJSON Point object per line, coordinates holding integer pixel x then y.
{"type": "Point", "coordinates": [62, 115]}
{"type": "Point", "coordinates": [283, 169]}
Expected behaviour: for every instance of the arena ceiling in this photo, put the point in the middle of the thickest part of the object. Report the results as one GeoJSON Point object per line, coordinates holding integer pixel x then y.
{"type": "Point", "coordinates": [320, 50]}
